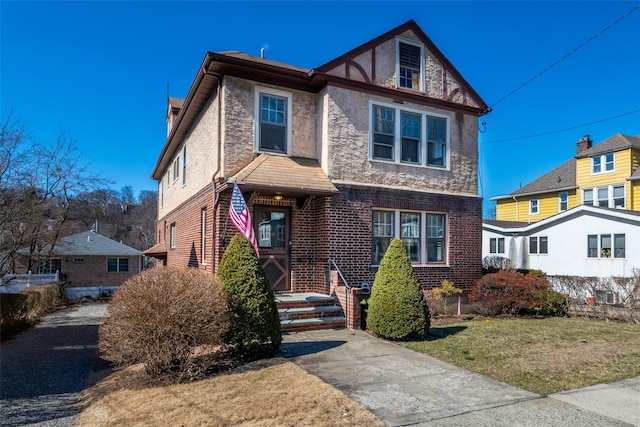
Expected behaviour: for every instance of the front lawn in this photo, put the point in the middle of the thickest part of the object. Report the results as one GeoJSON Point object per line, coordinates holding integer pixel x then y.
{"type": "Point", "coordinates": [540, 355]}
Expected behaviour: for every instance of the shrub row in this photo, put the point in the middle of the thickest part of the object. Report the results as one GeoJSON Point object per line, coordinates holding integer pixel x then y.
{"type": "Point", "coordinates": [21, 310]}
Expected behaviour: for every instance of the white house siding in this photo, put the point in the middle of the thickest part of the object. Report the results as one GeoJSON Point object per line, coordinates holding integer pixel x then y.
{"type": "Point", "coordinates": [567, 243]}
{"type": "Point", "coordinates": [347, 137]}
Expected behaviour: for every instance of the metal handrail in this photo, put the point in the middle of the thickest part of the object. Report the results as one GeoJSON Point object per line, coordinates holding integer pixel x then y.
{"type": "Point", "coordinates": [346, 294]}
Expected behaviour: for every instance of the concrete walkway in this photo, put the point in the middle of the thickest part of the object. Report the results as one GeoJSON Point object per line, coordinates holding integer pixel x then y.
{"type": "Point", "coordinates": [405, 388]}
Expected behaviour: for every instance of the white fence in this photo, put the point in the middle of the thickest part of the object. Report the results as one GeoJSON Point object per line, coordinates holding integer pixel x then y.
{"type": "Point", "coordinates": [14, 283]}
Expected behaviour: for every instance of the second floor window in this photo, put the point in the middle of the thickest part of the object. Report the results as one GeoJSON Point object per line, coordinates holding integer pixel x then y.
{"type": "Point", "coordinates": [563, 201]}
{"type": "Point", "coordinates": [408, 136]}
{"type": "Point", "coordinates": [273, 123]}
{"type": "Point", "coordinates": [611, 196]}
{"type": "Point", "coordinates": [533, 206]}
{"type": "Point", "coordinates": [603, 163]}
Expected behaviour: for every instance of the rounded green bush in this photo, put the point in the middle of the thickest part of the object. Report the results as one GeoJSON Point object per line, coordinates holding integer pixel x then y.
{"type": "Point", "coordinates": [255, 323]}
{"type": "Point", "coordinates": [397, 308]}
{"type": "Point", "coordinates": [160, 316]}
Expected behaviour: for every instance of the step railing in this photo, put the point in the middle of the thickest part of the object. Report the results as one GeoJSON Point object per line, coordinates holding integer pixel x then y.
{"type": "Point", "coordinates": [334, 266]}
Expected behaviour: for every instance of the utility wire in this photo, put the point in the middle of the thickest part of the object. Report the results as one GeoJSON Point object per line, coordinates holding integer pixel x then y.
{"type": "Point", "coordinates": [562, 130]}
{"type": "Point", "coordinates": [566, 56]}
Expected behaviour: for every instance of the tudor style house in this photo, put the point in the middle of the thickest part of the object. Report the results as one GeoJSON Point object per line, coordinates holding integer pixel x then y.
{"type": "Point", "coordinates": [333, 163]}
{"type": "Point", "coordinates": [605, 175]}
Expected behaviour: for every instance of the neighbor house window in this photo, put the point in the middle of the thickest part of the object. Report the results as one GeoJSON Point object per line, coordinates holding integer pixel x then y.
{"type": "Point", "coordinates": [603, 163]}
{"type": "Point", "coordinates": [50, 266]}
{"type": "Point", "coordinates": [203, 235]}
{"type": "Point", "coordinates": [603, 246]}
{"type": "Point", "coordinates": [563, 201]}
{"type": "Point", "coordinates": [587, 197]}
{"type": "Point", "coordinates": [539, 245]}
{"type": "Point", "coordinates": [172, 236]}
{"type": "Point", "coordinates": [609, 196]}
{"type": "Point", "coordinates": [273, 121]}
{"type": "Point", "coordinates": [78, 260]}
{"type": "Point", "coordinates": [117, 265]}
{"type": "Point", "coordinates": [533, 206]}
{"type": "Point", "coordinates": [409, 65]}
{"type": "Point", "coordinates": [618, 196]}
{"type": "Point", "coordinates": [496, 245]}
{"type": "Point", "coordinates": [403, 135]}
{"type": "Point", "coordinates": [619, 246]}
{"type": "Point", "coordinates": [422, 233]}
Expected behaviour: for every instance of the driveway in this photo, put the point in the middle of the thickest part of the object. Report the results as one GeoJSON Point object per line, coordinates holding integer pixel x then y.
{"type": "Point", "coordinates": [43, 370]}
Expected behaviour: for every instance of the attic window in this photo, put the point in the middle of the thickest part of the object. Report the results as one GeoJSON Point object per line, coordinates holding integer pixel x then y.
{"type": "Point", "coordinates": [409, 65]}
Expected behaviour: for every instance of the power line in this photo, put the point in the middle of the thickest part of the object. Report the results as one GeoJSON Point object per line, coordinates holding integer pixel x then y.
{"type": "Point", "coordinates": [566, 56]}
{"type": "Point", "coordinates": [562, 130]}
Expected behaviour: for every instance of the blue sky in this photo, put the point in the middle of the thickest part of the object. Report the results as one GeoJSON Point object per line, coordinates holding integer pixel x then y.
{"type": "Point", "coordinates": [99, 71]}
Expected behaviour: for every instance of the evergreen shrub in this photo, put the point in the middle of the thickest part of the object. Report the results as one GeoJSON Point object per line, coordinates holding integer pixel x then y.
{"type": "Point", "coordinates": [397, 306]}
{"type": "Point", "coordinates": [254, 332]}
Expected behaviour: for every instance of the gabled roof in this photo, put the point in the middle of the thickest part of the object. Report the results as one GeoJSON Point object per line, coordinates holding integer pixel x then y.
{"type": "Point", "coordinates": [90, 243]}
{"type": "Point", "coordinates": [615, 143]}
{"type": "Point", "coordinates": [269, 174]}
{"type": "Point", "coordinates": [561, 178]}
{"type": "Point", "coordinates": [564, 176]}
{"type": "Point", "coordinates": [622, 215]}
{"type": "Point", "coordinates": [635, 175]}
{"type": "Point", "coordinates": [216, 65]}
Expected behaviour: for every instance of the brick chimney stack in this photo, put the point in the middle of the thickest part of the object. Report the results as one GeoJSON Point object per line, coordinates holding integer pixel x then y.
{"type": "Point", "coordinates": [584, 143]}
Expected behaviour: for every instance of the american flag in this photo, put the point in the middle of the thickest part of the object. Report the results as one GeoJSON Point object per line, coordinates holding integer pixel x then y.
{"type": "Point", "coordinates": [239, 213]}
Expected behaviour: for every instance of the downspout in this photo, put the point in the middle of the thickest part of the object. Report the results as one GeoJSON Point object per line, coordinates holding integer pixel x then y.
{"type": "Point", "coordinates": [516, 200]}
{"type": "Point", "coordinates": [215, 173]}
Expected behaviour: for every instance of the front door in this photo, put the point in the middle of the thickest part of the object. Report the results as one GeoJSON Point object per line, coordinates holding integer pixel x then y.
{"type": "Point", "coordinates": [273, 241]}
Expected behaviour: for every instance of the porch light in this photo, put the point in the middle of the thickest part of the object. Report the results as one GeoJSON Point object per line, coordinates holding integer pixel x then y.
{"type": "Point", "coordinates": [277, 197]}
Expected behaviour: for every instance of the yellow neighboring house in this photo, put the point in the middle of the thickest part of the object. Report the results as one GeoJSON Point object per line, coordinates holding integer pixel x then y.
{"type": "Point", "coordinates": [604, 175]}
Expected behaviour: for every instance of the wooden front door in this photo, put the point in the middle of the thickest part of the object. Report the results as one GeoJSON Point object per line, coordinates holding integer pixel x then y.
{"type": "Point", "coordinates": [273, 224]}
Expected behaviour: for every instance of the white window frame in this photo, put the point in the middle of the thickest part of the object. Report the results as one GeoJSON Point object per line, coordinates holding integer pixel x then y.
{"type": "Point", "coordinates": [603, 164]}
{"type": "Point", "coordinates": [538, 245]}
{"type": "Point", "coordinates": [176, 169]}
{"type": "Point", "coordinates": [261, 90]}
{"type": "Point", "coordinates": [397, 142]}
{"type": "Point", "coordinates": [184, 165]}
{"type": "Point", "coordinates": [610, 201]}
{"type": "Point", "coordinates": [534, 206]}
{"type": "Point", "coordinates": [423, 249]}
{"type": "Point", "coordinates": [172, 235]}
{"type": "Point", "coordinates": [563, 199]}
{"type": "Point", "coordinates": [584, 199]}
{"type": "Point", "coordinates": [421, 77]}
{"type": "Point", "coordinates": [496, 245]}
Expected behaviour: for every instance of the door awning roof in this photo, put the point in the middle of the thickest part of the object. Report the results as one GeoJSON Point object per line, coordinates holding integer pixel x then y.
{"type": "Point", "coordinates": [159, 250]}
{"type": "Point", "coordinates": [291, 176]}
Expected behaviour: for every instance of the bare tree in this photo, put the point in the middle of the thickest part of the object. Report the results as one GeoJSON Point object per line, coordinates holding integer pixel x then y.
{"type": "Point", "coordinates": [39, 183]}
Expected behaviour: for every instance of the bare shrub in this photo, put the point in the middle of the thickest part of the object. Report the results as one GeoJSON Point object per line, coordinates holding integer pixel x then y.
{"type": "Point", "coordinates": [494, 263]}
{"type": "Point", "coordinates": [160, 316]}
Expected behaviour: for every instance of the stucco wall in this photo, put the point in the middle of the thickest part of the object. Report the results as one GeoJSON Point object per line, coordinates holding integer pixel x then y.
{"type": "Point", "coordinates": [202, 153]}
{"type": "Point", "coordinates": [238, 130]}
{"type": "Point", "coordinates": [347, 138]}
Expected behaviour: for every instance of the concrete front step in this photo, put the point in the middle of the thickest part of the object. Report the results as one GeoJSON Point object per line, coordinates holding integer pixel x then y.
{"type": "Point", "coordinates": [309, 311]}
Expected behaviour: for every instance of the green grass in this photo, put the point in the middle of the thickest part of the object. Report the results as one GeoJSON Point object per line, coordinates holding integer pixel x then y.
{"type": "Point", "coordinates": [540, 355]}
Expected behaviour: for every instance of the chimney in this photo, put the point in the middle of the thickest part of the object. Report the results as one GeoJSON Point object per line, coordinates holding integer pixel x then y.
{"type": "Point", "coordinates": [584, 143]}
